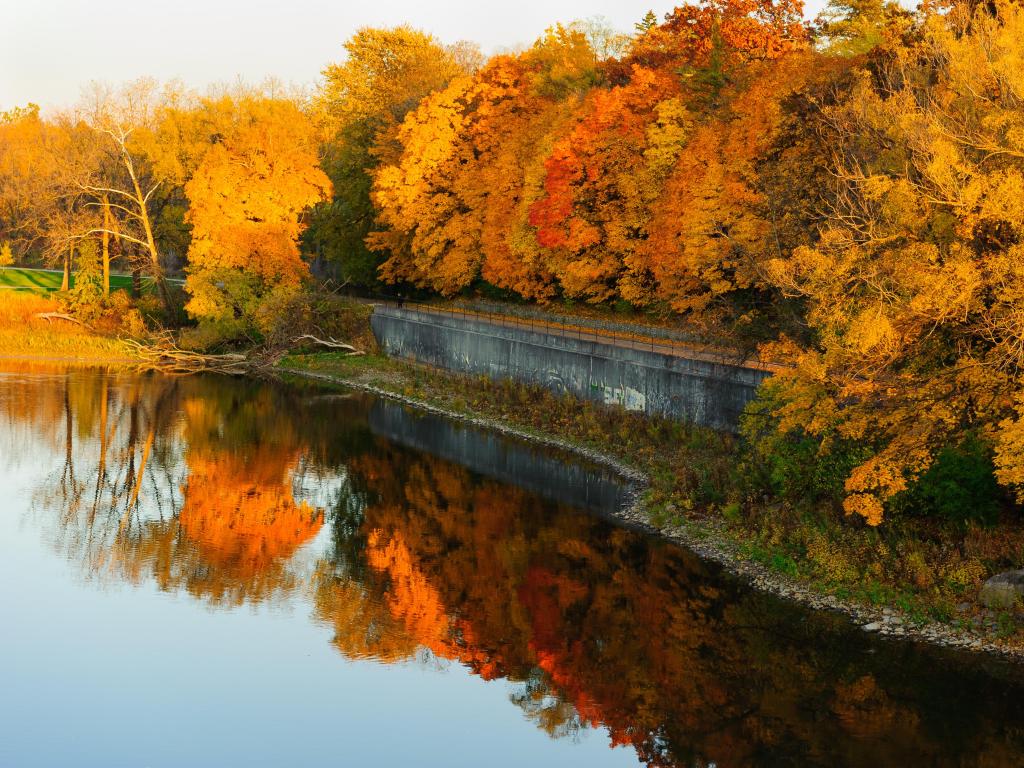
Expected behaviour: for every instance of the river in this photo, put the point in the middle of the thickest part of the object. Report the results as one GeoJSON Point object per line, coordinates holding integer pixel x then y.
{"type": "Point", "coordinates": [207, 571]}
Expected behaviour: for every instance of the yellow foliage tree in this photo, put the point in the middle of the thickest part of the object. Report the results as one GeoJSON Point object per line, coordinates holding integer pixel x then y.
{"type": "Point", "coordinates": [246, 203]}
{"type": "Point", "coordinates": [454, 204]}
{"type": "Point", "coordinates": [363, 100]}
{"type": "Point", "coordinates": [914, 287]}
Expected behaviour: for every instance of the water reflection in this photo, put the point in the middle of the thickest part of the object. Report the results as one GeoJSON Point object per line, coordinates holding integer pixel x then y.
{"type": "Point", "coordinates": [220, 488]}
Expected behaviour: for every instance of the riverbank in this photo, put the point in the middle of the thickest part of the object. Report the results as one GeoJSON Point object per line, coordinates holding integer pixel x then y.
{"type": "Point", "coordinates": [30, 329]}
{"type": "Point", "coordinates": [913, 578]}
{"type": "Point", "coordinates": [678, 473]}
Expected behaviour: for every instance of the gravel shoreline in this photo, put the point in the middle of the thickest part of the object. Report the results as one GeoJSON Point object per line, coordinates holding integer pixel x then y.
{"type": "Point", "coordinates": [704, 539]}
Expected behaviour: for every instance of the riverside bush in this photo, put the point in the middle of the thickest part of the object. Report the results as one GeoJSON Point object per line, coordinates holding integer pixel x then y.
{"type": "Point", "coordinates": [793, 466]}
{"type": "Point", "coordinates": [960, 486]}
{"type": "Point", "coordinates": [24, 334]}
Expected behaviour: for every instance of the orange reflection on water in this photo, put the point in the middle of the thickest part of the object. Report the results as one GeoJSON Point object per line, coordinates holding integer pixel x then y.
{"type": "Point", "coordinates": [201, 485]}
{"type": "Point", "coordinates": [239, 507]}
{"type": "Point", "coordinates": [243, 517]}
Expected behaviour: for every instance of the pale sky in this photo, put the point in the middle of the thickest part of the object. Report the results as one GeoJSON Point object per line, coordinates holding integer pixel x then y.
{"type": "Point", "coordinates": [49, 49]}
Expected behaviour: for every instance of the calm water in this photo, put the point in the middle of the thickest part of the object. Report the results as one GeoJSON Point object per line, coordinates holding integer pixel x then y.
{"type": "Point", "coordinates": [211, 572]}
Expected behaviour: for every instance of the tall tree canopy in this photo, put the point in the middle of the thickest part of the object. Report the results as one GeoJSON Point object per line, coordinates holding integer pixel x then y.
{"type": "Point", "coordinates": [361, 103]}
{"type": "Point", "coordinates": [246, 201]}
{"type": "Point", "coordinates": [914, 286]}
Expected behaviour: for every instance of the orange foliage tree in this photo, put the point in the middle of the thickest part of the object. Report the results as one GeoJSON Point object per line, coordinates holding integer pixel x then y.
{"type": "Point", "coordinates": [600, 179]}
{"type": "Point", "coordinates": [454, 204]}
{"type": "Point", "coordinates": [545, 174]}
{"type": "Point", "coordinates": [359, 107]}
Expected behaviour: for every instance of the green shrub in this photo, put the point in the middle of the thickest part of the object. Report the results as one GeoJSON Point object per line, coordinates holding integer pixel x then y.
{"type": "Point", "coordinates": [960, 486]}
{"type": "Point", "coordinates": [212, 335]}
{"type": "Point", "coordinates": [794, 466]}
{"type": "Point", "coordinates": [85, 300]}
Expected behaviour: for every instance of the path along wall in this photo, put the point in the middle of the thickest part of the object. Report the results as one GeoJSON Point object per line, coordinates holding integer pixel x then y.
{"type": "Point", "coordinates": [708, 392]}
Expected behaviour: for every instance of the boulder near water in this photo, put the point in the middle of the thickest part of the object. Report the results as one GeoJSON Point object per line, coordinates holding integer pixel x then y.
{"type": "Point", "coordinates": [1004, 590]}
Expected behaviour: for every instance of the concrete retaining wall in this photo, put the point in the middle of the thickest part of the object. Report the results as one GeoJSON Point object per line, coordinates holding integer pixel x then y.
{"type": "Point", "coordinates": [700, 391]}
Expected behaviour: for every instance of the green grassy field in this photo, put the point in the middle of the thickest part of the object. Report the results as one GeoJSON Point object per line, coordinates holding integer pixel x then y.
{"type": "Point", "coordinates": [48, 280]}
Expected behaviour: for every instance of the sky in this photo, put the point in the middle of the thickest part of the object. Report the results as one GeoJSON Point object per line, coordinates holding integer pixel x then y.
{"type": "Point", "coordinates": [50, 49]}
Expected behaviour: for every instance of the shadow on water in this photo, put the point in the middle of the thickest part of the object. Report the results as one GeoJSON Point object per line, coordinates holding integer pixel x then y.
{"type": "Point", "coordinates": [447, 542]}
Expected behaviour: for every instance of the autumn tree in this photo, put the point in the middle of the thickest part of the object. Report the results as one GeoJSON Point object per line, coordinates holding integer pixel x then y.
{"type": "Point", "coordinates": [125, 181]}
{"type": "Point", "coordinates": [605, 41]}
{"type": "Point", "coordinates": [600, 179]}
{"type": "Point", "coordinates": [914, 287]}
{"type": "Point", "coordinates": [247, 200]}
{"type": "Point", "coordinates": [94, 171]}
{"type": "Point", "coordinates": [722, 210]}
{"type": "Point", "coordinates": [852, 27]}
{"type": "Point", "coordinates": [42, 207]}
{"type": "Point", "coordinates": [650, 197]}
{"type": "Point", "coordinates": [752, 29]}
{"type": "Point", "coordinates": [363, 100]}
{"type": "Point", "coordinates": [601, 148]}
{"type": "Point", "coordinates": [21, 171]}
{"type": "Point", "coordinates": [6, 255]}
{"type": "Point", "coordinates": [454, 205]}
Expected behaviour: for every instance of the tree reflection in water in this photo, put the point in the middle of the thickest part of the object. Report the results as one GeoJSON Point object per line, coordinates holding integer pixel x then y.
{"type": "Point", "coordinates": [214, 487]}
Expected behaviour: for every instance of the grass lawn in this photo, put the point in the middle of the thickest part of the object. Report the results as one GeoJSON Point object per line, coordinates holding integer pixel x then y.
{"type": "Point", "coordinates": [47, 280]}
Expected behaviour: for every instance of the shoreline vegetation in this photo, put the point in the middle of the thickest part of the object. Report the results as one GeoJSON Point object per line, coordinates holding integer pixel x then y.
{"type": "Point", "coordinates": [911, 578]}
{"type": "Point", "coordinates": [27, 333]}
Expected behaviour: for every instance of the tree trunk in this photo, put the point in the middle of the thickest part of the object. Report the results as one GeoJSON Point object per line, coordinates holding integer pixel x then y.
{"type": "Point", "coordinates": [136, 282]}
{"type": "Point", "coordinates": [101, 472]}
{"type": "Point", "coordinates": [65, 283]}
{"type": "Point", "coordinates": [106, 246]}
{"type": "Point", "coordinates": [147, 227]}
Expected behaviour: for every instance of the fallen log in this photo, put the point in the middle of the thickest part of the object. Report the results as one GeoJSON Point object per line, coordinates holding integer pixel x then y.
{"type": "Point", "coordinates": [164, 354]}
{"type": "Point", "coordinates": [49, 316]}
{"type": "Point", "coordinates": [329, 342]}
{"type": "Point", "coordinates": [171, 358]}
